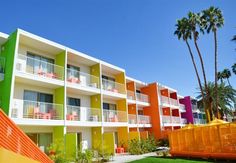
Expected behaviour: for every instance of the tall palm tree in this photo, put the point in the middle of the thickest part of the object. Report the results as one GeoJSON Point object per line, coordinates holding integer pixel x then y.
{"type": "Point", "coordinates": [194, 22]}
{"type": "Point", "coordinates": [184, 32]}
{"type": "Point", "coordinates": [225, 98]}
{"type": "Point", "coordinates": [234, 38]}
{"type": "Point", "coordinates": [226, 74]}
{"type": "Point", "coordinates": [220, 77]}
{"type": "Point", "coordinates": [234, 68]}
{"type": "Point", "coordinates": [213, 19]}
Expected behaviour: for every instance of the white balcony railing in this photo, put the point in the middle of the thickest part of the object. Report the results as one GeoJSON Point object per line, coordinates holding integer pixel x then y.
{"type": "Point", "coordinates": [194, 108]}
{"type": "Point", "coordinates": [175, 119]}
{"type": "Point", "coordinates": [183, 121]}
{"type": "Point", "coordinates": [112, 86]}
{"type": "Point", "coordinates": [142, 97]}
{"type": "Point", "coordinates": [182, 107]}
{"type": "Point", "coordinates": [199, 121]}
{"type": "Point", "coordinates": [166, 119]}
{"type": "Point", "coordinates": [165, 99]}
{"type": "Point", "coordinates": [36, 110]}
{"type": "Point", "coordinates": [75, 113]}
{"type": "Point", "coordinates": [130, 95]}
{"type": "Point", "coordinates": [82, 78]}
{"type": "Point", "coordinates": [114, 116]}
{"type": "Point", "coordinates": [38, 67]}
{"type": "Point", "coordinates": [173, 102]}
{"type": "Point", "coordinates": [144, 119]}
{"type": "Point", "coordinates": [132, 119]}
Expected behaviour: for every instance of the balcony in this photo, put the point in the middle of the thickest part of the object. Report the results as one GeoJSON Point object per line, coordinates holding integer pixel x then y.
{"type": "Point", "coordinates": [2, 68]}
{"type": "Point", "coordinates": [38, 67]}
{"type": "Point", "coordinates": [130, 95]}
{"type": "Point", "coordinates": [84, 114]}
{"type": "Point", "coordinates": [194, 108]}
{"type": "Point", "coordinates": [183, 121]}
{"type": "Point", "coordinates": [199, 121]}
{"type": "Point", "coordinates": [182, 107]}
{"type": "Point", "coordinates": [166, 119]}
{"type": "Point", "coordinates": [175, 119]}
{"type": "Point", "coordinates": [82, 79]}
{"type": "Point", "coordinates": [36, 110]}
{"type": "Point", "coordinates": [173, 102]}
{"type": "Point", "coordinates": [165, 100]}
{"type": "Point", "coordinates": [142, 97]}
{"type": "Point", "coordinates": [112, 86]}
{"type": "Point", "coordinates": [144, 119]}
{"type": "Point", "coordinates": [114, 116]}
{"type": "Point", "coordinates": [132, 119]}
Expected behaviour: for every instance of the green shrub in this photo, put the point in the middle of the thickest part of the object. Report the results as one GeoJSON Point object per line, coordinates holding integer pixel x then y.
{"type": "Point", "coordinates": [84, 156]}
{"type": "Point", "coordinates": [137, 147]}
{"type": "Point", "coordinates": [163, 142]}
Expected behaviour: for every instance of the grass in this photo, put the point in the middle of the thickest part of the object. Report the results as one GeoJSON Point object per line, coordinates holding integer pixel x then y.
{"type": "Point", "coordinates": [153, 159]}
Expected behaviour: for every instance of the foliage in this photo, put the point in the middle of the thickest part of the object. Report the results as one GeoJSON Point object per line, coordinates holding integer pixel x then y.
{"type": "Point", "coordinates": [85, 156]}
{"type": "Point", "coordinates": [226, 95]}
{"type": "Point", "coordinates": [225, 74]}
{"type": "Point", "coordinates": [234, 68]}
{"type": "Point", "coordinates": [163, 142]}
{"type": "Point", "coordinates": [56, 152]}
{"type": "Point", "coordinates": [142, 146]}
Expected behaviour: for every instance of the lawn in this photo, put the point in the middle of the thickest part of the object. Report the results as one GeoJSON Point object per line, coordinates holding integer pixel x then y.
{"type": "Point", "coordinates": [168, 160]}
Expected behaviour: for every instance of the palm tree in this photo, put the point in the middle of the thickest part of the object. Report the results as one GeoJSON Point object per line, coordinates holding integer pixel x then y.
{"type": "Point", "coordinates": [234, 68]}
{"type": "Point", "coordinates": [225, 98]}
{"type": "Point", "coordinates": [183, 31]}
{"type": "Point", "coordinates": [234, 38]}
{"type": "Point", "coordinates": [194, 21]}
{"type": "Point", "coordinates": [220, 76]}
{"type": "Point", "coordinates": [226, 74]}
{"type": "Point", "coordinates": [212, 19]}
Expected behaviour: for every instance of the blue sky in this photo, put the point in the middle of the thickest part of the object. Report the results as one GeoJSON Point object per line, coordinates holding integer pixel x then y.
{"type": "Point", "coordinates": [136, 35]}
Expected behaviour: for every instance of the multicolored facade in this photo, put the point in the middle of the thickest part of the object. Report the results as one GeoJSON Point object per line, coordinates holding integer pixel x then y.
{"type": "Point", "coordinates": [53, 92]}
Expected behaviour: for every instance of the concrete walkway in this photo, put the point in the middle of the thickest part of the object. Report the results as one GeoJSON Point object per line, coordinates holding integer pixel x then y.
{"type": "Point", "coordinates": [122, 158]}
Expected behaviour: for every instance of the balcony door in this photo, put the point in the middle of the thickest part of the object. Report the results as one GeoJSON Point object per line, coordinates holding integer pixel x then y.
{"type": "Point", "coordinates": [108, 82]}
{"type": "Point", "coordinates": [73, 71]}
{"type": "Point", "coordinates": [33, 100]}
{"type": "Point", "coordinates": [42, 140]}
{"type": "Point", "coordinates": [37, 63]}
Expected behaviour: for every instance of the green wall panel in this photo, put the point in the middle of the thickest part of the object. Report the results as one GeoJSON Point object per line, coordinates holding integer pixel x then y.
{"type": "Point", "coordinates": [5, 85]}
{"type": "Point", "coordinates": [71, 145]}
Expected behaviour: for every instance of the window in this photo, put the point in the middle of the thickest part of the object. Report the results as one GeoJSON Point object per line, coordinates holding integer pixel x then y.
{"type": "Point", "coordinates": [108, 106]}
{"type": "Point", "coordinates": [108, 82]}
{"type": "Point", "coordinates": [36, 62]}
{"type": "Point", "coordinates": [73, 101]}
{"type": "Point", "coordinates": [73, 71]}
{"type": "Point", "coordinates": [42, 140]}
{"type": "Point", "coordinates": [138, 91]}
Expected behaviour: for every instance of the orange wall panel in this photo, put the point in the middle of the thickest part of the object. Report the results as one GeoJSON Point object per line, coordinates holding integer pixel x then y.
{"type": "Point", "coordinates": [165, 92]}
{"type": "Point", "coordinates": [132, 109]}
{"type": "Point", "coordinates": [130, 86]}
{"type": "Point", "coordinates": [166, 111]}
{"type": "Point", "coordinates": [173, 95]}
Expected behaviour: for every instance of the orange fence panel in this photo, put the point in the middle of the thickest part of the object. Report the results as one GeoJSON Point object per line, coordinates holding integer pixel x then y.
{"type": "Point", "coordinates": [14, 139]}
{"type": "Point", "coordinates": [215, 140]}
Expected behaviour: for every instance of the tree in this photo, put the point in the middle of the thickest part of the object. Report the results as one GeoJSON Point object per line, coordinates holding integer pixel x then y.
{"type": "Point", "coordinates": [212, 19]}
{"type": "Point", "coordinates": [184, 32]}
{"type": "Point", "coordinates": [225, 98]}
{"type": "Point", "coordinates": [220, 76]}
{"type": "Point", "coordinates": [226, 74]}
{"type": "Point", "coordinates": [234, 38]}
{"type": "Point", "coordinates": [234, 68]}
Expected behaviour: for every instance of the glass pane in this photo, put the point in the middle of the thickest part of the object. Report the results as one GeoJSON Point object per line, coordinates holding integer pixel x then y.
{"type": "Point", "coordinates": [44, 141]}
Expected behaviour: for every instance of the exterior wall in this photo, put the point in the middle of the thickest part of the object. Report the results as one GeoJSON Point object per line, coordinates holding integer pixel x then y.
{"type": "Point", "coordinates": [188, 106]}
{"type": "Point", "coordinates": [8, 52]}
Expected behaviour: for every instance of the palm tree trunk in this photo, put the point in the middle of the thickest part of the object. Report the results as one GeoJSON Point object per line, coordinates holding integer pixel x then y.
{"type": "Point", "coordinates": [216, 86]}
{"type": "Point", "coordinates": [199, 80]}
{"type": "Point", "coordinates": [228, 82]}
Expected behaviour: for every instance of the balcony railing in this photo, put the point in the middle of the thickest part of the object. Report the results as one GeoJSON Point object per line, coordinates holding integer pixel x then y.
{"type": "Point", "coordinates": [114, 116]}
{"type": "Point", "coordinates": [75, 113]}
{"type": "Point", "coordinates": [173, 102]}
{"type": "Point", "coordinates": [142, 97]}
{"type": "Point", "coordinates": [166, 119]}
{"type": "Point", "coordinates": [183, 121]}
{"type": "Point", "coordinates": [130, 95]}
{"type": "Point", "coordinates": [38, 67]}
{"type": "Point", "coordinates": [36, 110]}
{"type": "Point", "coordinates": [194, 107]}
{"type": "Point", "coordinates": [144, 119]}
{"type": "Point", "coordinates": [112, 86]}
{"type": "Point", "coordinates": [175, 119]}
{"type": "Point", "coordinates": [82, 78]}
{"type": "Point", "coordinates": [182, 107]}
{"type": "Point", "coordinates": [132, 119]}
{"type": "Point", "coordinates": [165, 99]}
{"type": "Point", "coordinates": [199, 121]}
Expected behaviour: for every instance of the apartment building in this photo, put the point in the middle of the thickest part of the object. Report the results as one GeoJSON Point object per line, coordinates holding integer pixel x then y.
{"type": "Point", "coordinates": [53, 92]}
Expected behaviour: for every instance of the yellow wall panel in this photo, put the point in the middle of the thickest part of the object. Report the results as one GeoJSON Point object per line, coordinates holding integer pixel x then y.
{"type": "Point", "coordinates": [109, 143]}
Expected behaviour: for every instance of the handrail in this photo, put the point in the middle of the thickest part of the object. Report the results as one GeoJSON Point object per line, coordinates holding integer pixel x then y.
{"type": "Point", "coordinates": [114, 116]}
{"type": "Point", "coordinates": [113, 86]}
{"type": "Point", "coordinates": [142, 97]}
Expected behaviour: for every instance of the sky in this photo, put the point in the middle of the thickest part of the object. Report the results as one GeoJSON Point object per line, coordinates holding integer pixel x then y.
{"type": "Point", "coordinates": [136, 35]}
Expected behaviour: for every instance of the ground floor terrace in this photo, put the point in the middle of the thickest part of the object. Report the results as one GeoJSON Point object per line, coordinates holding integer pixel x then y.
{"type": "Point", "coordinates": [105, 140]}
